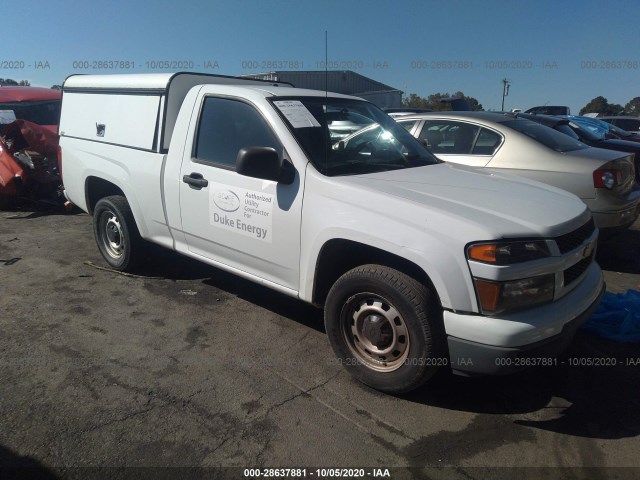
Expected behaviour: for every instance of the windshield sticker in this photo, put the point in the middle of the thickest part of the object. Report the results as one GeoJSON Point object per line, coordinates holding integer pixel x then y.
{"type": "Point", "coordinates": [296, 113]}
{"type": "Point", "coordinates": [246, 212]}
{"type": "Point", "coordinates": [7, 116]}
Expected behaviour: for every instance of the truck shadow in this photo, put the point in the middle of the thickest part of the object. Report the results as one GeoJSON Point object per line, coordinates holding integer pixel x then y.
{"type": "Point", "coordinates": [278, 303]}
{"type": "Point", "coordinates": [26, 209]}
{"type": "Point", "coordinates": [13, 465]}
{"type": "Point", "coordinates": [592, 392]}
{"type": "Point", "coordinates": [168, 264]}
{"type": "Point", "coordinates": [620, 252]}
{"type": "Point", "coordinates": [165, 263]}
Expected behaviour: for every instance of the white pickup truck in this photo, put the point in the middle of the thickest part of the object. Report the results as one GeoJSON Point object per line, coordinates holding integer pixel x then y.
{"type": "Point", "coordinates": [418, 264]}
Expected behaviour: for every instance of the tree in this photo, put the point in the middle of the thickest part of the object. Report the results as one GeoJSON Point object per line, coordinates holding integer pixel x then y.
{"type": "Point", "coordinates": [12, 83]}
{"type": "Point", "coordinates": [56, 87]}
{"type": "Point", "coordinates": [601, 105]}
{"type": "Point", "coordinates": [615, 109]}
{"type": "Point", "coordinates": [632, 107]}
{"type": "Point", "coordinates": [414, 101]}
{"type": "Point", "coordinates": [435, 101]}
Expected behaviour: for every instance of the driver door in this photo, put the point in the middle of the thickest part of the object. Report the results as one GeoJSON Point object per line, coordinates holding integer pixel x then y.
{"type": "Point", "coordinates": [245, 223]}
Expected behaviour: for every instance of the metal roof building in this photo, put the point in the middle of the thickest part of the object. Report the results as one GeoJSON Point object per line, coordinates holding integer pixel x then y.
{"type": "Point", "coordinates": [342, 81]}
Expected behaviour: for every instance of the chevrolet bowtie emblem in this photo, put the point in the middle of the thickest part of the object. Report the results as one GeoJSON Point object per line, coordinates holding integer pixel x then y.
{"type": "Point", "coordinates": [588, 250]}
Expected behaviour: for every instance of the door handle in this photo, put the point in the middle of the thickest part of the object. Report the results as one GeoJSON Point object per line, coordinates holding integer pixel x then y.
{"type": "Point", "coordinates": [195, 181]}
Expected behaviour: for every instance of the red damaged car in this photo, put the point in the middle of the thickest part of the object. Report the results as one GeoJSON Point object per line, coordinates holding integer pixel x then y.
{"type": "Point", "coordinates": [29, 153]}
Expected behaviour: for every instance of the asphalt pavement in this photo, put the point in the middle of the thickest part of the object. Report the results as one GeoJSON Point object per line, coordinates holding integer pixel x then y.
{"type": "Point", "coordinates": [187, 366]}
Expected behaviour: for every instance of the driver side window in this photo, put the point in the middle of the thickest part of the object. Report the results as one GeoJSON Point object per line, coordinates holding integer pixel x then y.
{"type": "Point", "coordinates": [225, 127]}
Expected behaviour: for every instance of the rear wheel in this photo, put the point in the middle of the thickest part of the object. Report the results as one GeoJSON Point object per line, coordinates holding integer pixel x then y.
{"type": "Point", "coordinates": [385, 328]}
{"type": "Point", "coordinates": [116, 233]}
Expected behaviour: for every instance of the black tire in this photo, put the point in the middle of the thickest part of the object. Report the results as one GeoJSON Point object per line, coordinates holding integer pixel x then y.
{"type": "Point", "coordinates": [117, 234]}
{"type": "Point", "coordinates": [368, 311]}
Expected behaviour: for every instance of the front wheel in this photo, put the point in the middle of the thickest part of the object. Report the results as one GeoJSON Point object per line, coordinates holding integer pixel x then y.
{"type": "Point", "coordinates": [385, 328]}
{"type": "Point", "coordinates": [116, 233]}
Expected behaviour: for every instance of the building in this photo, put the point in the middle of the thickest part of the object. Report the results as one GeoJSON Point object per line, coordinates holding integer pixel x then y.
{"type": "Point", "coordinates": [342, 81]}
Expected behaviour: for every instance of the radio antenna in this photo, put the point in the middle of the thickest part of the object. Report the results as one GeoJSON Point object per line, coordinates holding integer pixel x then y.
{"type": "Point", "coordinates": [326, 99]}
{"type": "Point", "coordinates": [326, 64]}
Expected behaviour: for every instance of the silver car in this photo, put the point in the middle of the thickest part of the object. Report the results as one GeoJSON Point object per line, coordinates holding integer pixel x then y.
{"type": "Point", "coordinates": [603, 179]}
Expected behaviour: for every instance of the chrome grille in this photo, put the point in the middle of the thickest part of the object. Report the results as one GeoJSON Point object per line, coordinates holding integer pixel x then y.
{"type": "Point", "coordinates": [573, 240]}
{"type": "Point", "coordinates": [571, 274]}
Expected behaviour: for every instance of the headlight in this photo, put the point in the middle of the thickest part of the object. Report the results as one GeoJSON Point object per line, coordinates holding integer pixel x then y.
{"type": "Point", "coordinates": [497, 297]}
{"type": "Point", "coordinates": [506, 253]}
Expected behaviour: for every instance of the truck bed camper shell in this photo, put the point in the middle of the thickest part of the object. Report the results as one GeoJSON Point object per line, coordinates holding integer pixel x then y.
{"type": "Point", "coordinates": [94, 106]}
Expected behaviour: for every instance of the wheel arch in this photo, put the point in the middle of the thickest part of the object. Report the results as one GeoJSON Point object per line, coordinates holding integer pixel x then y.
{"type": "Point", "coordinates": [96, 188]}
{"type": "Point", "coordinates": [338, 256]}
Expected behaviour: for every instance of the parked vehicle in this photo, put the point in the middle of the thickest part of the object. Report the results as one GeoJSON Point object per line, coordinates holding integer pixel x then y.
{"type": "Point", "coordinates": [34, 104]}
{"type": "Point", "coordinates": [623, 134]}
{"type": "Point", "coordinates": [602, 129]}
{"type": "Point", "coordinates": [458, 104]}
{"type": "Point", "coordinates": [419, 264]}
{"type": "Point", "coordinates": [342, 124]}
{"type": "Point", "coordinates": [455, 104]}
{"type": "Point", "coordinates": [549, 110]}
{"type": "Point", "coordinates": [569, 126]}
{"type": "Point", "coordinates": [505, 142]}
{"type": "Point", "coordinates": [405, 110]}
{"type": "Point", "coordinates": [626, 122]}
{"type": "Point", "coordinates": [29, 163]}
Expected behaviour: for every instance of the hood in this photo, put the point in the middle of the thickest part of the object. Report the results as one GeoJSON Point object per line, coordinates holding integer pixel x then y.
{"type": "Point", "coordinates": [499, 204]}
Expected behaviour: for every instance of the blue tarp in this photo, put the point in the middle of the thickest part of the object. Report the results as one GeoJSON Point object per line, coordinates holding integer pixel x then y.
{"type": "Point", "coordinates": [617, 317]}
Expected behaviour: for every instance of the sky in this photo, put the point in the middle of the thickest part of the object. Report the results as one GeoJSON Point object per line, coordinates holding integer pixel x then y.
{"type": "Point", "coordinates": [560, 52]}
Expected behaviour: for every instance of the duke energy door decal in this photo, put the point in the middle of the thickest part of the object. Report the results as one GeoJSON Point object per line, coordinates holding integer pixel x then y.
{"type": "Point", "coordinates": [245, 212]}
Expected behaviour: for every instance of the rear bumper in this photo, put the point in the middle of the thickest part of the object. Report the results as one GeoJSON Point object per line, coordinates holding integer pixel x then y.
{"type": "Point", "coordinates": [627, 212]}
{"type": "Point", "coordinates": [620, 219]}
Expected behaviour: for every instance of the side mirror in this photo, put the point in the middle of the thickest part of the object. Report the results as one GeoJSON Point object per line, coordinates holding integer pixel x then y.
{"type": "Point", "coordinates": [264, 163]}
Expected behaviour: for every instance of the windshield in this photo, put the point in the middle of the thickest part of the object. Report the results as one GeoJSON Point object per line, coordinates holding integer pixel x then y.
{"type": "Point", "coordinates": [43, 113]}
{"type": "Point", "coordinates": [567, 130]}
{"type": "Point", "coordinates": [585, 133]}
{"type": "Point", "coordinates": [596, 127]}
{"type": "Point", "coordinates": [350, 137]}
{"type": "Point", "coordinates": [545, 135]}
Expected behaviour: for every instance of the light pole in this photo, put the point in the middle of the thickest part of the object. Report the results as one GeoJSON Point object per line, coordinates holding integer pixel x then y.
{"type": "Point", "coordinates": [505, 90]}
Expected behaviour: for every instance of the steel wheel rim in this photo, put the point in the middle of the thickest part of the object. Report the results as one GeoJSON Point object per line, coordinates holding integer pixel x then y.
{"type": "Point", "coordinates": [111, 235]}
{"type": "Point", "coordinates": [375, 332]}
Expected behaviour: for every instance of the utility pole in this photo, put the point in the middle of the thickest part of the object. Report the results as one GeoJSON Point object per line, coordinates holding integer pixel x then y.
{"type": "Point", "coordinates": [505, 90]}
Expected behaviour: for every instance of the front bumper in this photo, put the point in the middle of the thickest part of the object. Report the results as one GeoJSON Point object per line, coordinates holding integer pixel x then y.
{"type": "Point", "coordinates": [489, 345]}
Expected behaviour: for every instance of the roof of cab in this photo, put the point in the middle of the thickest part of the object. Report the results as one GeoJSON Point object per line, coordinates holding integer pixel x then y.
{"type": "Point", "coordinates": [151, 81]}
{"type": "Point", "coordinates": [160, 82]}
{"type": "Point", "coordinates": [268, 91]}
